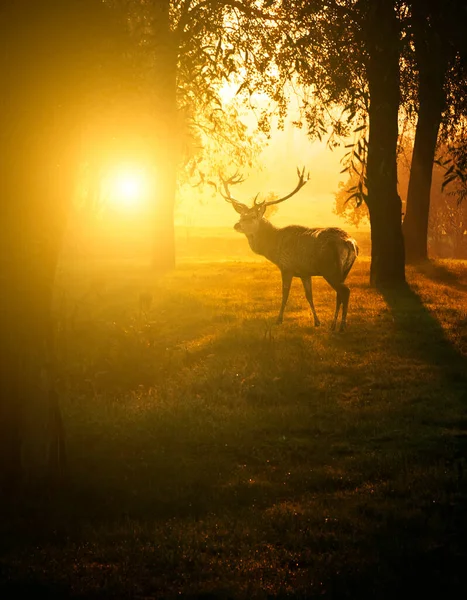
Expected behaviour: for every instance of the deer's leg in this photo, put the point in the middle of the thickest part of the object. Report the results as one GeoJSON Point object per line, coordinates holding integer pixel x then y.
{"type": "Point", "coordinates": [342, 298]}
{"type": "Point", "coordinates": [309, 296]}
{"type": "Point", "coordinates": [286, 283]}
{"type": "Point", "coordinates": [345, 295]}
{"type": "Point", "coordinates": [336, 313]}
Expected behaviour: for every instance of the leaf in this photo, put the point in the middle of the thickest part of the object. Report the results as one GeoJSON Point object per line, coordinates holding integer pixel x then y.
{"type": "Point", "coordinates": [240, 88]}
{"type": "Point", "coordinates": [448, 180]}
{"type": "Point", "coordinates": [358, 157]}
{"type": "Point", "coordinates": [354, 195]}
{"type": "Point", "coordinates": [449, 171]}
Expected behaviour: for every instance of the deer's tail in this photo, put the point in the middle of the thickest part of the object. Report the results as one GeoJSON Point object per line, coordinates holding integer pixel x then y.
{"type": "Point", "coordinates": [354, 245]}
{"type": "Point", "coordinates": [352, 253]}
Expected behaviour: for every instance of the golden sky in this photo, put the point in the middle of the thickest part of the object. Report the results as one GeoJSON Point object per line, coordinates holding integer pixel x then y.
{"type": "Point", "coordinates": [287, 149]}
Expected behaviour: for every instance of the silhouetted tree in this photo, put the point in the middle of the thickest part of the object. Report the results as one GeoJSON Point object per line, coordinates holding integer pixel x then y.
{"type": "Point", "coordinates": [348, 53]}
{"type": "Point", "coordinates": [185, 50]}
{"type": "Point", "coordinates": [54, 57]}
{"type": "Point", "coordinates": [437, 30]}
{"type": "Point", "coordinates": [447, 224]}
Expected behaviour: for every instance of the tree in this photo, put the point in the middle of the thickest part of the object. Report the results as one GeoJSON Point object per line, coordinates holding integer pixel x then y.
{"type": "Point", "coordinates": [352, 212]}
{"type": "Point", "coordinates": [447, 225]}
{"type": "Point", "coordinates": [64, 49]}
{"type": "Point", "coordinates": [432, 37]}
{"type": "Point", "coordinates": [381, 39]}
{"type": "Point", "coordinates": [184, 51]}
{"type": "Point", "coordinates": [437, 31]}
{"type": "Point", "coordinates": [348, 52]}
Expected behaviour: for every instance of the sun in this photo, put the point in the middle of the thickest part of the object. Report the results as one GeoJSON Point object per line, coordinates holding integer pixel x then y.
{"type": "Point", "coordinates": [127, 187]}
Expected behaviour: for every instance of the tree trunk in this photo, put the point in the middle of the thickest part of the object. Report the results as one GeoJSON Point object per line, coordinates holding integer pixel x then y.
{"type": "Point", "coordinates": [418, 196]}
{"type": "Point", "coordinates": [164, 235]}
{"type": "Point", "coordinates": [38, 141]}
{"type": "Point", "coordinates": [384, 204]}
{"type": "Point", "coordinates": [31, 432]}
{"type": "Point", "coordinates": [10, 407]}
{"type": "Point", "coordinates": [165, 52]}
{"type": "Point", "coordinates": [53, 56]}
{"type": "Point", "coordinates": [432, 68]}
{"type": "Point", "coordinates": [387, 245]}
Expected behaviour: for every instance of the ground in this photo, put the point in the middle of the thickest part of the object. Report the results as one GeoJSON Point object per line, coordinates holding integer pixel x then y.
{"type": "Point", "coordinates": [213, 454]}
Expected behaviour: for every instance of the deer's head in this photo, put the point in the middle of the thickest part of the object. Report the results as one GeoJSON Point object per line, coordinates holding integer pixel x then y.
{"type": "Point", "coordinates": [250, 217]}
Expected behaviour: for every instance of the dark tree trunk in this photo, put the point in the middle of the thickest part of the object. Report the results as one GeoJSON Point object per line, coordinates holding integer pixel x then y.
{"type": "Point", "coordinates": [384, 203]}
{"type": "Point", "coordinates": [35, 175]}
{"type": "Point", "coordinates": [52, 55]}
{"type": "Point", "coordinates": [387, 244]}
{"type": "Point", "coordinates": [432, 64]}
{"type": "Point", "coordinates": [418, 196]}
{"type": "Point", "coordinates": [10, 406]}
{"type": "Point", "coordinates": [31, 435]}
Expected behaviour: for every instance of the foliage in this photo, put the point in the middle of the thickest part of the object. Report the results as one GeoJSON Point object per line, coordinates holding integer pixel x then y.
{"type": "Point", "coordinates": [355, 165]}
{"type": "Point", "coordinates": [210, 148]}
{"type": "Point", "coordinates": [448, 226]}
{"type": "Point", "coordinates": [213, 45]}
{"type": "Point", "coordinates": [353, 213]}
{"type": "Point", "coordinates": [331, 65]}
{"type": "Point", "coordinates": [348, 51]}
{"type": "Point", "coordinates": [328, 58]}
{"type": "Point", "coordinates": [438, 31]}
{"type": "Point", "coordinates": [448, 216]}
{"type": "Point", "coordinates": [271, 210]}
{"type": "Point", "coordinates": [447, 236]}
{"type": "Point", "coordinates": [454, 165]}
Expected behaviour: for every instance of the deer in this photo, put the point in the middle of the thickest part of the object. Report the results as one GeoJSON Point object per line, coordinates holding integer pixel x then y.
{"type": "Point", "coordinates": [298, 251]}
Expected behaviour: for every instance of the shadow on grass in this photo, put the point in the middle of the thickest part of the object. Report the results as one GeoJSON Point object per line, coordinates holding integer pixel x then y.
{"type": "Point", "coordinates": [33, 588]}
{"type": "Point", "coordinates": [441, 274]}
{"type": "Point", "coordinates": [405, 565]}
{"type": "Point", "coordinates": [394, 560]}
{"type": "Point", "coordinates": [414, 325]}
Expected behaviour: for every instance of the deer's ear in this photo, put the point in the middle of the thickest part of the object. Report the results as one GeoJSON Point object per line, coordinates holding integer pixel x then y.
{"type": "Point", "coordinates": [261, 210]}
{"type": "Point", "coordinates": [239, 207]}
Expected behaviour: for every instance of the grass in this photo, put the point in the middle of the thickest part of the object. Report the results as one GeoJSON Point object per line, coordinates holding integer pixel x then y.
{"type": "Point", "coordinates": [216, 455]}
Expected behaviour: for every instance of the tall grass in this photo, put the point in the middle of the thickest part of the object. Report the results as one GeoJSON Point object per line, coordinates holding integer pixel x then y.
{"type": "Point", "coordinates": [214, 454]}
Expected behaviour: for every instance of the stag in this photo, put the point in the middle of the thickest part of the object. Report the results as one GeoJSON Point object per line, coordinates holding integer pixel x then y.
{"type": "Point", "coordinates": [298, 251]}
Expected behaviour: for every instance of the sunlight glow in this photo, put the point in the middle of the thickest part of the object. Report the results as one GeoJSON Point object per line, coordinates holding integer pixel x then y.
{"type": "Point", "coordinates": [127, 188]}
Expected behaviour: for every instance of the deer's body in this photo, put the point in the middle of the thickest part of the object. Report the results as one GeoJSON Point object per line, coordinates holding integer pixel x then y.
{"type": "Point", "coordinates": [300, 252]}
{"type": "Point", "coordinates": [304, 251]}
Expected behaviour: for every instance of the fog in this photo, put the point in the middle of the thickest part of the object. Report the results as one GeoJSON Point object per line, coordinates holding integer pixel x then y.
{"type": "Point", "coordinates": [287, 149]}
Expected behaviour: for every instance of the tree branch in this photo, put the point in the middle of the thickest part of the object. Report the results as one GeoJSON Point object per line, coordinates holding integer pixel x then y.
{"type": "Point", "coordinates": [190, 13]}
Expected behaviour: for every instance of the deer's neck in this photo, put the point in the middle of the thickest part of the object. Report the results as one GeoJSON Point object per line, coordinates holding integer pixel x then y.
{"type": "Point", "coordinates": [264, 241]}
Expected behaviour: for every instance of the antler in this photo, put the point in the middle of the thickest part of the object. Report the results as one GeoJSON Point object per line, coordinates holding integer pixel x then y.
{"type": "Point", "coordinates": [243, 208]}
{"type": "Point", "coordinates": [234, 179]}
{"type": "Point", "coordinates": [301, 182]}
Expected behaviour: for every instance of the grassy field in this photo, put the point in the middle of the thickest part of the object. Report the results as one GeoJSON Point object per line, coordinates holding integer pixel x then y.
{"type": "Point", "coordinates": [216, 455]}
